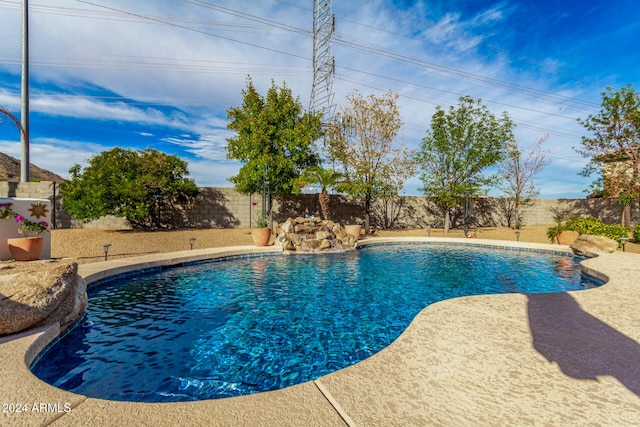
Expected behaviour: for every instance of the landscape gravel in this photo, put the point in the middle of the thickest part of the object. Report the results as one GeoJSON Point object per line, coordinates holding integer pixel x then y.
{"type": "Point", "coordinates": [85, 245]}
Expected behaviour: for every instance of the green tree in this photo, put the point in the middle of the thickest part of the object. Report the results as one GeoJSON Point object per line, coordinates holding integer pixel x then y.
{"type": "Point", "coordinates": [362, 142]}
{"type": "Point", "coordinates": [517, 174]}
{"type": "Point", "coordinates": [274, 139]}
{"type": "Point", "coordinates": [325, 178]}
{"type": "Point", "coordinates": [461, 144]}
{"type": "Point", "coordinates": [613, 149]}
{"type": "Point", "coordinates": [145, 187]}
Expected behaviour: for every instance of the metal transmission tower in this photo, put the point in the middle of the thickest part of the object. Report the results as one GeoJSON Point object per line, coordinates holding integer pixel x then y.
{"type": "Point", "coordinates": [323, 61]}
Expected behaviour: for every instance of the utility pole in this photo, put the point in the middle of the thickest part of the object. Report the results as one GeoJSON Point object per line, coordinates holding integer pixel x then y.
{"type": "Point", "coordinates": [24, 116]}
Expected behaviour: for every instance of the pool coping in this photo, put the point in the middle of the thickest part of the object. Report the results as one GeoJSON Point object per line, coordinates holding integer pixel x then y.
{"type": "Point", "coordinates": [481, 360]}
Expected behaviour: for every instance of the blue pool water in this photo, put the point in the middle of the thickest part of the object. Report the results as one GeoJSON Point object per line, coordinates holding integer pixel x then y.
{"type": "Point", "coordinates": [238, 327]}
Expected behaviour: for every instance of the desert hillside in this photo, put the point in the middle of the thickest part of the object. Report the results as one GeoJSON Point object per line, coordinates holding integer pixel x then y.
{"type": "Point", "coordinates": [10, 171]}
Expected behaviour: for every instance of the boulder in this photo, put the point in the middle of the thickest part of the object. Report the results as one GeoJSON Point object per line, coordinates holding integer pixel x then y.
{"type": "Point", "coordinates": [296, 239]}
{"type": "Point", "coordinates": [306, 228]}
{"type": "Point", "coordinates": [324, 234]}
{"type": "Point", "coordinates": [349, 241]}
{"type": "Point", "coordinates": [287, 226]}
{"type": "Point", "coordinates": [339, 230]}
{"type": "Point", "coordinates": [289, 246]}
{"type": "Point", "coordinates": [310, 244]}
{"type": "Point", "coordinates": [313, 234]}
{"type": "Point", "coordinates": [52, 294]}
{"type": "Point", "coordinates": [325, 244]}
{"type": "Point", "coordinates": [587, 244]}
{"type": "Point", "coordinates": [281, 240]}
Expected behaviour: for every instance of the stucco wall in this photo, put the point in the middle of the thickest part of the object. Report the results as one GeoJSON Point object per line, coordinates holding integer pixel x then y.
{"type": "Point", "coordinates": [226, 208]}
{"type": "Point", "coordinates": [25, 207]}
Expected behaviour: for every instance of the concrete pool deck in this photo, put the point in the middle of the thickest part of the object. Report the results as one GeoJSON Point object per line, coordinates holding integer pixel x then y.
{"type": "Point", "coordinates": [566, 359]}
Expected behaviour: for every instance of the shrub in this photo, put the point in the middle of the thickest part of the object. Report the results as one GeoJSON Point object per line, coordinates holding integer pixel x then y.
{"type": "Point", "coordinates": [552, 231]}
{"type": "Point", "coordinates": [147, 187]}
{"type": "Point", "coordinates": [590, 225]}
{"type": "Point", "coordinates": [262, 221]}
{"type": "Point", "coordinates": [636, 233]}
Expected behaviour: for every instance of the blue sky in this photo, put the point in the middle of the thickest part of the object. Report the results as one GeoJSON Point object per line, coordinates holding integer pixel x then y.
{"type": "Point", "coordinates": [162, 74]}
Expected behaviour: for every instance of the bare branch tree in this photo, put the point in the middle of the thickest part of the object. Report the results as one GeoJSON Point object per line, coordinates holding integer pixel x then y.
{"type": "Point", "coordinates": [362, 141]}
{"type": "Point", "coordinates": [518, 177]}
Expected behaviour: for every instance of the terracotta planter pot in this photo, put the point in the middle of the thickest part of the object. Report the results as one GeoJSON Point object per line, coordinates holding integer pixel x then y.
{"type": "Point", "coordinates": [353, 230]}
{"type": "Point", "coordinates": [567, 237]}
{"type": "Point", "coordinates": [25, 248]}
{"type": "Point", "coordinates": [261, 236]}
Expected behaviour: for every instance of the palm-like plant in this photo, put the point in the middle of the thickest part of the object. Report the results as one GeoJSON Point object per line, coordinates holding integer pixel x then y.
{"type": "Point", "coordinates": [325, 178]}
{"type": "Point", "coordinates": [14, 119]}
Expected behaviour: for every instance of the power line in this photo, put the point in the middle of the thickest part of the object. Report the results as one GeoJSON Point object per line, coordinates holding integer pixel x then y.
{"type": "Point", "coordinates": [246, 16]}
{"type": "Point", "coordinates": [123, 17]}
{"type": "Point", "coordinates": [163, 21]}
{"type": "Point", "coordinates": [411, 95]}
{"type": "Point", "coordinates": [511, 54]}
{"type": "Point", "coordinates": [460, 94]}
{"type": "Point", "coordinates": [448, 71]}
{"type": "Point", "coordinates": [350, 43]}
{"type": "Point", "coordinates": [366, 47]}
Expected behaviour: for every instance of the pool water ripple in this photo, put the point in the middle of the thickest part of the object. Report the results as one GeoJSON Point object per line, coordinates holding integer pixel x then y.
{"type": "Point", "coordinates": [244, 326]}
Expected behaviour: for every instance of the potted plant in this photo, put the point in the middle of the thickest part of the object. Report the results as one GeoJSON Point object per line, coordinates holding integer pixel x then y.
{"type": "Point", "coordinates": [261, 234]}
{"type": "Point", "coordinates": [28, 247]}
{"type": "Point", "coordinates": [354, 230]}
{"type": "Point", "coordinates": [562, 233]}
{"type": "Point", "coordinates": [575, 226]}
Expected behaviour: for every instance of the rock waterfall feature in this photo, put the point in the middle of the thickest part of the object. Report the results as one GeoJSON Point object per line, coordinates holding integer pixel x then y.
{"type": "Point", "coordinates": [313, 235]}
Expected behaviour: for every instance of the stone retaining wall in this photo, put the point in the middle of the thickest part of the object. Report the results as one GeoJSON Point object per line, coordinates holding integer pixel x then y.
{"type": "Point", "coordinates": [226, 208]}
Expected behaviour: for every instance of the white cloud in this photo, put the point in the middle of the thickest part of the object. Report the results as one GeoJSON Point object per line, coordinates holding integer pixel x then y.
{"type": "Point", "coordinates": [210, 146]}
{"type": "Point", "coordinates": [200, 171]}
{"type": "Point", "coordinates": [175, 74]}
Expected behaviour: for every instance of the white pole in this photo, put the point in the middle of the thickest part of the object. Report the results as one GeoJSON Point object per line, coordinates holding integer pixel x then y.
{"type": "Point", "coordinates": [24, 117]}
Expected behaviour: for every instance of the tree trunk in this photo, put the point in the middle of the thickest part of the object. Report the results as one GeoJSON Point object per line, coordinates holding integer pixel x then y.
{"type": "Point", "coordinates": [324, 204]}
{"type": "Point", "coordinates": [626, 216]}
{"type": "Point", "coordinates": [367, 209]}
{"type": "Point", "coordinates": [447, 220]}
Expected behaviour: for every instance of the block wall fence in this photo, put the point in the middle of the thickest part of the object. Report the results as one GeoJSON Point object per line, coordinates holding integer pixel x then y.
{"type": "Point", "coordinates": [226, 208]}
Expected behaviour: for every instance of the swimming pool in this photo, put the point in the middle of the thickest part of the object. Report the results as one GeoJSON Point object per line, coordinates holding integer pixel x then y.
{"type": "Point", "coordinates": [258, 324]}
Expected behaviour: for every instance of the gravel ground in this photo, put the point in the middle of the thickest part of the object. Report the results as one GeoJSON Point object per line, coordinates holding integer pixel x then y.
{"type": "Point", "coordinates": [85, 245]}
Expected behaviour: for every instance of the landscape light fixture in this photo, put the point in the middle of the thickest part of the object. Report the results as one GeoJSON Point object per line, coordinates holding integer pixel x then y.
{"type": "Point", "coordinates": [624, 241]}
{"type": "Point", "coordinates": [518, 235]}
{"type": "Point", "coordinates": [192, 240]}
{"type": "Point", "coordinates": [157, 198]}
{"type": "Point", "coordinates": [106, 250]}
